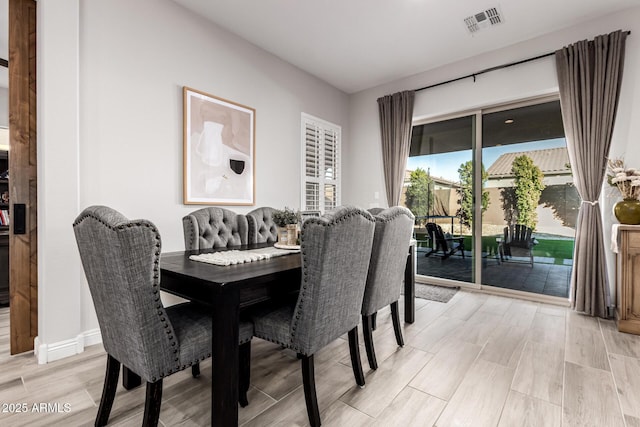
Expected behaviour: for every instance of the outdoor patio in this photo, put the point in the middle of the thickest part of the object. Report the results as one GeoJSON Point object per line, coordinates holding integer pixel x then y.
{"type": "Point", "coordinates": [544, 277]}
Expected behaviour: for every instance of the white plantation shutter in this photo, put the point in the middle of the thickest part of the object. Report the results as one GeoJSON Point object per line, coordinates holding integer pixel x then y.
{"type": "Point", "coordinates": [312, 196]}
{"type": "Point", "coordinates": [330, 196]}
{"type": "Point", "coordinates": [330, 155]}
{"type": "Point", "coordinates": [320, 164]}
{"type": "Point", "coordinates": [312, 150]}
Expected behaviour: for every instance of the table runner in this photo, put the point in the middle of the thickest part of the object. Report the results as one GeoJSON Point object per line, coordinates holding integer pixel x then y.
{"type": "Point", "coordinates": [234, 256]}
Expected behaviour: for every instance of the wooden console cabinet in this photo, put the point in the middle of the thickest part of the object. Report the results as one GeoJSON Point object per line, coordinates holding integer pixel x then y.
{"type": "Point", "coordinates": [628, 279]}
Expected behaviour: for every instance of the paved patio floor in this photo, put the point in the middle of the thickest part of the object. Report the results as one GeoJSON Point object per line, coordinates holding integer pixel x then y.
{"type": "Point", "coordinates": [543, 278]}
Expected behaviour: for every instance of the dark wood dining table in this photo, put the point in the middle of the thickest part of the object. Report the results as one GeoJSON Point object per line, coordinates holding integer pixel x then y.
{"type": "Point", "coordinates": [229, 290]}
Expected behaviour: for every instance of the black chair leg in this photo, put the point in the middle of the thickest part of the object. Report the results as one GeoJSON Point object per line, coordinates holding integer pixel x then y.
{"type": "Point", "coordinates": [130, 379]}
{"type": "Point", "coordinates": [245, 373]}
{"type": "Point", "coordinates": [309, 383]}
{"type": "Point", "coordinates": [354, 350]}
{"type": "Point", "coordinates": [367, 331]}
{"type": "Point", "coordinates": [152, 404]}
{"type": "Point", "coordinates": [195, 370]}
{"type": "Point", "coordinates": [374, 321]}
{"type": "Point", "coordinates": [395, 316]}
{"type": "Point", "coordinates": [108, 391]}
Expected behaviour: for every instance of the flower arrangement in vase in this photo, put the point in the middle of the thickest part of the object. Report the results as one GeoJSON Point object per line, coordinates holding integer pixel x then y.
{"type": "Point", "coordinates": [287, 221]}
{"type": "Point", "coordinates": [627, 181]}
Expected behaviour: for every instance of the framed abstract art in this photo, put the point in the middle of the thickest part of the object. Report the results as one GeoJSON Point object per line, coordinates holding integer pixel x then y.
{"type": "Point", "coordinates": [219, 150]}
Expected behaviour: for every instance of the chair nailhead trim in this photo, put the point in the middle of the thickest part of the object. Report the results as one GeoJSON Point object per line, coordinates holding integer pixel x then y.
{"type": "Point", "coordinates": [395, 212]}
{"type": "Point", "coordinates": [288, 345]}
{"type": "Point", "coordinates": [347, 213]}
{"type": "Point", "coordinates": [156, 263]}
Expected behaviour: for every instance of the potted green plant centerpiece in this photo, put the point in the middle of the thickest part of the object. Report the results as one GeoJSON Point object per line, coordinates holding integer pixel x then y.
{"type": "Point", "coordinates": [287, 221]}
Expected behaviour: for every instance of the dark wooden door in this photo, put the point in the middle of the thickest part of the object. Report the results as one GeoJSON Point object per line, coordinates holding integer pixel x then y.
{"type": "Point", "coordinates": [23, 263]}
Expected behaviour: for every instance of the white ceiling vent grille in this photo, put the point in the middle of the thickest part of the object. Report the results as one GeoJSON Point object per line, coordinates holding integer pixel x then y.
{"type": "Point", "coordinates": [484, 19]}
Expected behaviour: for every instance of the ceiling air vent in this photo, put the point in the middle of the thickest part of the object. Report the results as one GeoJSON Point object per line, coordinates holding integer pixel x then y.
{"type": "Point", "coordinates": [483, 19]}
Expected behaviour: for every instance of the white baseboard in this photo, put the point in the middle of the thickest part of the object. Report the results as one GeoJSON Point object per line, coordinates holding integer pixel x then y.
{"type": "Point", "coordinates": [46, 353]}
{"type": "Point", "coordinates": [92, 337]}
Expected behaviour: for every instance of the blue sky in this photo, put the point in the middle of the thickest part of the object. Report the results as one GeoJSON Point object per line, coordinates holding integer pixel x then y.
{"type": "Point", "coordinates": [445, 165]}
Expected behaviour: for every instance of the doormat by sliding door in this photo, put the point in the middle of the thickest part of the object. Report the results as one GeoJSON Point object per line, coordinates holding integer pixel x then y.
{"type": "Point", "coordinates": [435, 293]}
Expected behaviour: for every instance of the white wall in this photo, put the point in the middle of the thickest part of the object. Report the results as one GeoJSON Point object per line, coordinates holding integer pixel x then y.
{"type": "Point", "coordinates": [110, 128]}
{"type": "Point", "coordinates": [363, 157]}
{"type": "Point", "coordinates": [60, 291]}
{"type": "Point", "coordinates": [135, 59]}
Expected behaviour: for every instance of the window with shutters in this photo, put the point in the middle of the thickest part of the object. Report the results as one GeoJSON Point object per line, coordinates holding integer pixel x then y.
{"type": "Point", "coordinates": [320, 164]}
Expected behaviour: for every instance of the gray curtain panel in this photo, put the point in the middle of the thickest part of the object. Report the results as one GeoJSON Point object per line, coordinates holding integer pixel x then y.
{"type": "Point", "coordinates": [396, 114]}
{"type": "Point", "coordinates": [589, 77]}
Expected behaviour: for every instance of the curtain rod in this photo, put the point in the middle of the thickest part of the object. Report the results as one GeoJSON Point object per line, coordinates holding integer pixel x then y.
{"type": "Point", "coordinates": [486, 70]}
{"type": "Point", "coordinates": [4, 63]}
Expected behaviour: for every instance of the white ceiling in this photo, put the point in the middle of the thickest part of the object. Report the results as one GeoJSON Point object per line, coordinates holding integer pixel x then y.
{"type": "Point", "coordinates": [358, 44]}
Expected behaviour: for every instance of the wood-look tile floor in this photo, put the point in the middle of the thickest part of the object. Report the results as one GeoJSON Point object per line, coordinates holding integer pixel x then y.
{"type": "Point", "coordinates": [479, 360]}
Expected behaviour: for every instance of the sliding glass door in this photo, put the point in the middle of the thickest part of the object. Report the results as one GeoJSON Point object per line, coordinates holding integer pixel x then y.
{"type": "Point", "coordinates": [508, 168]}
{"type": "Point", "coordinates": [439, 191]}
{"type": "Point", "coordinates": [530, 185]}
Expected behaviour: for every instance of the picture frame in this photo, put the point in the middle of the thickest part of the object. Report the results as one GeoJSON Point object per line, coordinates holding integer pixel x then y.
{"type": "Point", "coordinates": [218, 150]}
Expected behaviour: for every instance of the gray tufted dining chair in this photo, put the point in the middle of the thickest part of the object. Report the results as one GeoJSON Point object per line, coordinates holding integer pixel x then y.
{"type": "Point", "coordinates": [210, 228]}
{"type": "Point", "coordinates": [336, 249]}
{"type": "Point", "coordinates": [262, 229]}
{"type": "Point", "coordinates": [375, 211]}
{"type": "Point", "coordinates": [121, 261]}
{"type": "Point", "coordinates": [213, 227]}
{"type": "Point", "coordinates": [394, 228]}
